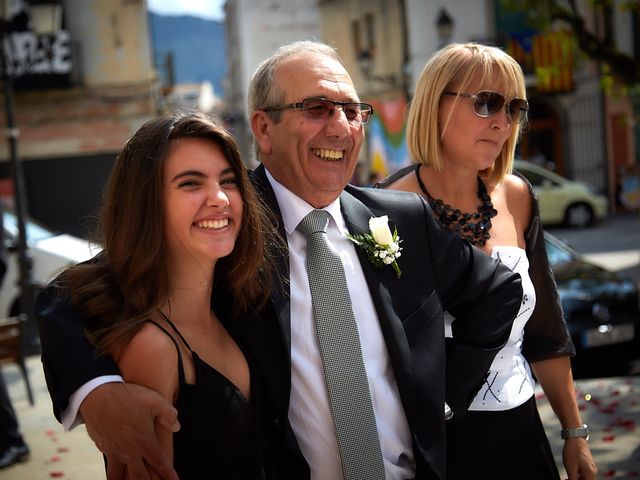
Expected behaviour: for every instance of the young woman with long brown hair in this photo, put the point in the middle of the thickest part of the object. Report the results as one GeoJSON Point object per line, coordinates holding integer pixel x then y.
{"type": "Point", "coordinates": [182, 228]}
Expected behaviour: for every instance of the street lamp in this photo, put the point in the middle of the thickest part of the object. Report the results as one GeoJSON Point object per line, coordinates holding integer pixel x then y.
{"type": "Point", "coordinates": [444, 26]}
{"type": "Point", "coordinates": [43, 20]}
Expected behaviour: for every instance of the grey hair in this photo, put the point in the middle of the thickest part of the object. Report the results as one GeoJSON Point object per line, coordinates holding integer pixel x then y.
{"type": "Point", "coordinates": [264, 92]}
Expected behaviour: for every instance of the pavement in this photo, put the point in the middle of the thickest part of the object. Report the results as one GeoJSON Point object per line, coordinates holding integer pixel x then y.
{"type": "Point", "coordinates": [54, 452]}
{"type": "Point", "coordinates": [611, 408]}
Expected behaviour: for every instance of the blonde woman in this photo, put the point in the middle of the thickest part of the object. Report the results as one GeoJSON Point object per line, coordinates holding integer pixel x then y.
{"type": "Point", "coordinates": [463, 126]}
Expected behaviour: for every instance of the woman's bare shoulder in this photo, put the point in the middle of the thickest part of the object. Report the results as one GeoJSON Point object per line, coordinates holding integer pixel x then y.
{"type": "Point", "coordinates": [518, 197]}
{"type": "Point", "coordinates": [150, 359]}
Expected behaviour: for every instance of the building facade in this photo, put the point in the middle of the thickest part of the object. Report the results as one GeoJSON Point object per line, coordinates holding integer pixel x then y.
{"type": "Point", "coordinates": [255, 29]}
{"type": "Point", "coordinates": [80, 92]}
{"type": "Point", "coordinates": [371, 38]}
{"type": "Point", "coordinates": [575, 127]}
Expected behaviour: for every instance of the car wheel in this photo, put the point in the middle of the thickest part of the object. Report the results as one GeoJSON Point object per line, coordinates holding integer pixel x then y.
{"type": "Point", "coordinates": [578, 215]}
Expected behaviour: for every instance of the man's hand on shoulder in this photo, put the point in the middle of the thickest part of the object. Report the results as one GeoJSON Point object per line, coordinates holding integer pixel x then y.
{"type": "Point", "coordinates": [121, 419]}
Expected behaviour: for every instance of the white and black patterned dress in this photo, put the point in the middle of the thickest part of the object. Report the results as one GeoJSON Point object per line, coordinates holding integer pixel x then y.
{"type": "Point", "coordinates": [502, 436]}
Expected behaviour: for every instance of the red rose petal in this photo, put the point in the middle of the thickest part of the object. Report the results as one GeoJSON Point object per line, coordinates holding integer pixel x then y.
{"type": "Point", "coordinates": [608, 438]}
{"type": "Point", "coordinates": [63, 449]}
{"type": "Point", "coordinates": [610, 473]}
{"type": "Point", "coordinates": [611, 408]}
{"type": "Point", "coordinates": [56, 474]}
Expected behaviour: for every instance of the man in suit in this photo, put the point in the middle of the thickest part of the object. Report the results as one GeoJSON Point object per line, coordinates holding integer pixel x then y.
{"type": "Point", "coordinates": [308, 156]}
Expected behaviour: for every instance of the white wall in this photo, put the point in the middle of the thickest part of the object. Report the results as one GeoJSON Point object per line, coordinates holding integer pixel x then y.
{"type": "Point", "coordinates": [265, 25]}
{"type": "Point", "coordinates": [472, 19]}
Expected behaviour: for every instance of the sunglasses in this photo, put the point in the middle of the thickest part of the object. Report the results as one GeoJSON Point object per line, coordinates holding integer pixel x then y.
{"type": "Point", "coordinates": [322, 109]}
{"type": "Point", "coordinates": [486, 103]}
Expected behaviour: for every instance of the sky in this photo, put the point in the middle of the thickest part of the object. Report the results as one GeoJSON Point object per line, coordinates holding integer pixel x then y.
{"type": "Point", "coordinates": [210, 9]}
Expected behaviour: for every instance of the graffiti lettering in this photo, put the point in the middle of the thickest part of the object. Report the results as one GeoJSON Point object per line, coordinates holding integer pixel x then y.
{"type": "Point", "coordinates": [31, 54]}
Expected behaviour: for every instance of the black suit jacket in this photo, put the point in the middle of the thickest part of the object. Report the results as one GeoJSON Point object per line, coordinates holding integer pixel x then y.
{"type": "Point", "coordinates": [439, 272]}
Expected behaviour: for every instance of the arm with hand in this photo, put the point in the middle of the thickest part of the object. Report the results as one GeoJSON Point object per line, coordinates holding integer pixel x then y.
{"type": "Point", "coordinates": [547, 345]}
{"type": "Point", "coordinates": [114, 412]}
{"type": "Point", "coordinates": [555, 378]}
{"type": "Point", "coordinates": [149, 361]}
{"type": "Point", "coordinates": [123, 419]}
{"type": "Point", "coordinates": [546, 334]}
{"type": "Point", "coordinates": [69, 359]}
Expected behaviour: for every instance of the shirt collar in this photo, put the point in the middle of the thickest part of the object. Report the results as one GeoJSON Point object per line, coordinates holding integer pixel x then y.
{"type": "Point", "coordinates": [294, 209]}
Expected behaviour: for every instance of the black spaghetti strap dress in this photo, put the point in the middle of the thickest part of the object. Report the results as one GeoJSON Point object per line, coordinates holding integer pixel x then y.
{"type": "Point", "coordinates": [220, 435]}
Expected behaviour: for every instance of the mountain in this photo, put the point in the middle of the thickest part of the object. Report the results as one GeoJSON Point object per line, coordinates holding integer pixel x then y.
{"type": "Point", "coordinates": [198, 48]}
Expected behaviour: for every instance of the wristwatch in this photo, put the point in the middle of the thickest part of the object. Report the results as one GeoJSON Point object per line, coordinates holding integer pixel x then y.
{"type": "Point", "coordinates": [582, 432]}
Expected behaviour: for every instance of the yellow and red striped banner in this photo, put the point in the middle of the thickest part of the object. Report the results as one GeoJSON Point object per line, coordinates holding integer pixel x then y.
{"type": "Point", "coordinates": [553, 61]}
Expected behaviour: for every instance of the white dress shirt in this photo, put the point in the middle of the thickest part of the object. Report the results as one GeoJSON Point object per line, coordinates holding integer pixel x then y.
{"type": "Point", "coordinates": [309, 412]}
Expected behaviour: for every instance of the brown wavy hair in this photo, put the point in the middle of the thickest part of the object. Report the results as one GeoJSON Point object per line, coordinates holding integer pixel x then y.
{"type": "Point", "coordinates": [122, 285]}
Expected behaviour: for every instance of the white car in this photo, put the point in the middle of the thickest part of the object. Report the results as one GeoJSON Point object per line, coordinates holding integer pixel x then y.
{"type": "Point", "coordinates": [563, 200]}
{"type": "Point", "coordinates": [49, 251]}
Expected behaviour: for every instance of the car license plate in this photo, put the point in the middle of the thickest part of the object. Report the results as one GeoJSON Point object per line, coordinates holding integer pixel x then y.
{"type": "Point", "coordinates": [597, 337]}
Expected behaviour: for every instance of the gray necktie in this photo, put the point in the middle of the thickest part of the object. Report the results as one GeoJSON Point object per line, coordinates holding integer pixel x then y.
{"type": "Point", "coordinates": [345, 376]}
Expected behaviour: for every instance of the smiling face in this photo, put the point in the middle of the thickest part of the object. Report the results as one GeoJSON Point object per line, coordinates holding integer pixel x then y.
{"type": "Point", "coordinates": [468, 140]}
{"type": "Point", "coordinates": [313, 158]}
{"type": "Point", "coordinates": [202, 201]}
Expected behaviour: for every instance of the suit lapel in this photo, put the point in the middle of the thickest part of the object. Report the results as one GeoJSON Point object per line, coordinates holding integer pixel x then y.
{"type": "Point", "coordinates": [382, 284]}
{"type": "Point", "coordinates": [280, 293]}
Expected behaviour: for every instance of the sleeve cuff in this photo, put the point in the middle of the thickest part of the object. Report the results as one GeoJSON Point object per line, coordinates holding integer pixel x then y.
{"type": "Point", "coordinates": [71, 417]}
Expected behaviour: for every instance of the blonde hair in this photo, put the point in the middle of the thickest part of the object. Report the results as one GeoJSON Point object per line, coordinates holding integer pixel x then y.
{"type": "Point", "coordinates": [458, 65]}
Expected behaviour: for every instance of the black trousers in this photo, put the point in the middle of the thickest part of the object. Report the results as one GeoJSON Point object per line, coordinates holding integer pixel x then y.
{"type": "Point", "coordinates": [9, 429]}
{"type": "Point", "coordinates": [500, 445]}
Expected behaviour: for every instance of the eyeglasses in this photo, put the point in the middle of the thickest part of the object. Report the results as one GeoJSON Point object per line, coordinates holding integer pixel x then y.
{"type": "Point", "coordinates": [322, 109]}
{"type": "Point", "coordinates": [486, 103]}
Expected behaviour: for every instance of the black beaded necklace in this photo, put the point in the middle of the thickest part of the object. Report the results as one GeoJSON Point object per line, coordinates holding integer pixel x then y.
{"type": "Point", "coordinates": [473, 227]}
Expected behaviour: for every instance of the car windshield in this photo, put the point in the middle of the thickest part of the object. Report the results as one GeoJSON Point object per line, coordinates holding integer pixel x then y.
{"type": "Point", "coordinates": [34, 231]}
{"type": "Point", "coordinates": [557, 255]}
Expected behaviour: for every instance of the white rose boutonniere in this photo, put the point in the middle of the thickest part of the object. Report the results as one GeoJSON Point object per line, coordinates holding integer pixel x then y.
{"type": "Point", "coordinates": [382, 246]}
